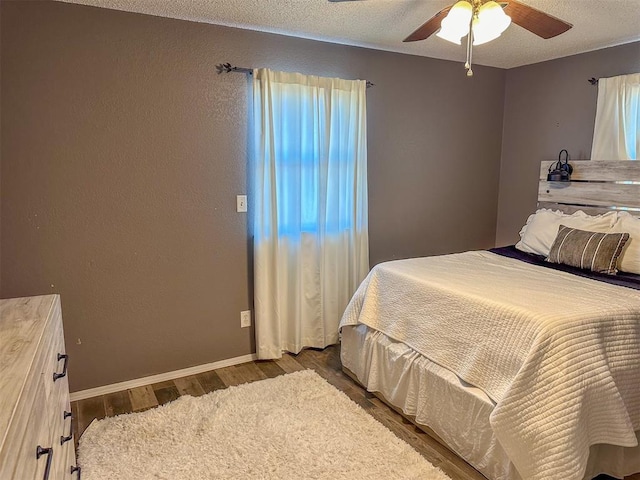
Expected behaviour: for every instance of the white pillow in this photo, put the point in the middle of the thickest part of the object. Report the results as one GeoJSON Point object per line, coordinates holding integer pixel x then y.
{"type": "Point", "coordinates": [541, 228]}
{"type": "Point", "coordinates": [630, 258]}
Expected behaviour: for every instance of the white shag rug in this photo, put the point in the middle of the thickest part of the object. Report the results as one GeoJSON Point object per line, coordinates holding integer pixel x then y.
{"type": "Point", "coordinates": [295, 426]}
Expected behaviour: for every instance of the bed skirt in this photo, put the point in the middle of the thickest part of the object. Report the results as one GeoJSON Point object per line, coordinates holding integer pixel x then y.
{"type": "Point", "coordinates": [456, 412]}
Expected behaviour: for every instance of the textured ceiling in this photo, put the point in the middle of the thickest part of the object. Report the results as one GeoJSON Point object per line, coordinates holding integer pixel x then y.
{"type": "Point", "coordinates": [382, 24]}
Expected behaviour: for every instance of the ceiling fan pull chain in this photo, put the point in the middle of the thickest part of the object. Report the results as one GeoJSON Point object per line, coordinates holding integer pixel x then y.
{"type": "Point", "coordinates": [467, 64]}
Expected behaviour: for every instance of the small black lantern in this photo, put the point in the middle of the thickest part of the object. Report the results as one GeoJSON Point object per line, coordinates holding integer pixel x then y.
{"type": "Point", "coordinates": [562, 170]}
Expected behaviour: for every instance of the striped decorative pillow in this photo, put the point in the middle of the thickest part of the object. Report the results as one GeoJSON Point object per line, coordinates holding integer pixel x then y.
{"type": "Point", "coordinates": [593, 251]}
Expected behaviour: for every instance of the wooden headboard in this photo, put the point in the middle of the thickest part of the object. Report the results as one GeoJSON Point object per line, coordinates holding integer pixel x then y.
{"type": "Point", "coordinates": [595, 187]}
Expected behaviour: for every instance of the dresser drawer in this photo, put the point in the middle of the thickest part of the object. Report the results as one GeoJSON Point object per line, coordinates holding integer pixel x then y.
{"type": "Point", "coordinates": [29, 421]}
{"type": "Point", "coordinates": [57, 391]}
{"type": "Point", "coordinates": [71, 464]}
{"type": "Point", "coordinates": [53, 351]}
{"type": "Point", "coordinates": [64, 462]}
{"type": "Point", "coordinates": [62, 431]}
{"type": "Point", "coordinates": [21, 451]}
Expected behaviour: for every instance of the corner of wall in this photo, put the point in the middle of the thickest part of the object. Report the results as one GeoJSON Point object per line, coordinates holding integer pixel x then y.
{"type": "Point", "coordinates": [503, 137]}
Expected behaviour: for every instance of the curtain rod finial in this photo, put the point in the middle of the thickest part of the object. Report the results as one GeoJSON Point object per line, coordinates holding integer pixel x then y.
{"type": "Point", "coordinates": [224, 67]}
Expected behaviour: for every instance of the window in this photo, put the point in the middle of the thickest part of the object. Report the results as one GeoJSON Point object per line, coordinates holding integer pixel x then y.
{"type": "Point", "coordinates": [616, 134]}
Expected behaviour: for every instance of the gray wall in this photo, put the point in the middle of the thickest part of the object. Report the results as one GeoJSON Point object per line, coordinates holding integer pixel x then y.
{"type": "Point", "coordinates": [549, 106]}
{"type": "Point", "coordinates": [123, 151]}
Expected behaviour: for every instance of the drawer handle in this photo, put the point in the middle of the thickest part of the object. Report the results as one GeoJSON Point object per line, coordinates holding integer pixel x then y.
{"type": "Point", "coordinates": [49, 453]}
{"type": "Point", "coordinates": [56, 376]}
{"type": "Point", "coordinates": [64, 439]}
{"type": "Point", "coordinates": [76, 469]}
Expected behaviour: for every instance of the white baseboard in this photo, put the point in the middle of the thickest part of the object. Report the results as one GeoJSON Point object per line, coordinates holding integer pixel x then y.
{"type": "Point", "coordinates": [161, 377]}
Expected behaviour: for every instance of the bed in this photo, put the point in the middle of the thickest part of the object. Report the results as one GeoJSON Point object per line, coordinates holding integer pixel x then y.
{"type": "Point", "coordinates": [527, 370]}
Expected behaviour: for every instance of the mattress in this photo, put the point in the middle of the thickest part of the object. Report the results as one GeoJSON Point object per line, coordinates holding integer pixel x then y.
{"type": "Point", "coordinates": [455, 410]}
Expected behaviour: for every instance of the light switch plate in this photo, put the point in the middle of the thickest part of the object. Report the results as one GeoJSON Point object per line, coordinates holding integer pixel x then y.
{"type": "Point", "coordinates": [241, 203]}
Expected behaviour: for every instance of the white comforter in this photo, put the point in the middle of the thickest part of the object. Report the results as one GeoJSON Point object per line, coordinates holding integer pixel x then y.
{"type": "Point", "coordinates": [558, 354]}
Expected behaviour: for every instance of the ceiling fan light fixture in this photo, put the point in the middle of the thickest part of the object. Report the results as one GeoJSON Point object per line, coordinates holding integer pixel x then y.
{"type": "Point", "coordinates": [451, 34]}
{"type": "Point", "coordinates": [450, 37]}
{"type": "Point", "coordinates": [492, 17]}
{"type": "Point", "coordinates": [483, 33]}
{"type": "Point", "coordinates": [456, 24]}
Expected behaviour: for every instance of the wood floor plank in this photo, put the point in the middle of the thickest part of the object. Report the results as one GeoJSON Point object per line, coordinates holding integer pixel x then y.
{"type": "Point", "coordinates": [329, 356]}
{"type": "Point", "coordinates": [117, 403]}
{"type": "Point", "coordinates": [250, 372]}
{"type": "Point", "coordinates": [270, 368]}
{"type": "Point", "coordinates": [161, 385]}
{"type": "Point", "coordinates": [189, 386]}
{"type": "Point", "coordinates": [166, 393]}
{"type": "Point", "coordinates": [210, 381]}
{"type": "Point", "coordinates": [289, 364]}
{"type": "Point", "coordinates": [230, 376]}
{"type": "Point", "coordinates": [142, 398]}
{"type": "Point", "coordinates": [239, 374]}
{"type": "Point", "coordinates": [88, 410]}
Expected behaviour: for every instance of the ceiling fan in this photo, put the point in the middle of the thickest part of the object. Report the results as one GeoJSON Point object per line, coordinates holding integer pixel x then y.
{"type": "Point", "coordinates": [529, 18]}
{"type": "Point", "coordinates": [483, 21]}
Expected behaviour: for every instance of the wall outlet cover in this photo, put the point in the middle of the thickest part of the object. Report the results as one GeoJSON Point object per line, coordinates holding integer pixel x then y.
{"type": "Point", "coordinates": [245, 318]}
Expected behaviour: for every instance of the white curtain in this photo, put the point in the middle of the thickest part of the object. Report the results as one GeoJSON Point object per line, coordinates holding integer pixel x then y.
{"type": "Point", "coordinates": [616, 134]}
{"type": "Point", "coordinates": [311, 247]}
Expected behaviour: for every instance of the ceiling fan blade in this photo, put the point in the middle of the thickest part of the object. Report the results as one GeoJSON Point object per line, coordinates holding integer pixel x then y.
{"type": "Point", "coordinates": [429, 27]}
{"type": "Point", "coordinates": [535, 21]}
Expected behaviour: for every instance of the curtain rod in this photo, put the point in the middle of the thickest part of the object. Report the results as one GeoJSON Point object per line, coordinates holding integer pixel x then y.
{"type": "Point", "coordinates": [228, 68]}
{"type": "Point", "coordinates": [593, 81]}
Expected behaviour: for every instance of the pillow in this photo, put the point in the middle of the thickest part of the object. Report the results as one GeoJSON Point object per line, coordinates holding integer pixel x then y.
{"type": "Point", "coordinates": [630, 259]}
{"type": "Point", "coordinates": [593, 251]}
{"type": "Point", "coordinates": [541, 228]}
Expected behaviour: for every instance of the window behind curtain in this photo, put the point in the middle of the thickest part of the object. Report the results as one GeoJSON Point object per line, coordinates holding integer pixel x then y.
{"type": "Point", "coordinates": [616, 134]}
{"type": "Point", "coordinates": [314, 171]}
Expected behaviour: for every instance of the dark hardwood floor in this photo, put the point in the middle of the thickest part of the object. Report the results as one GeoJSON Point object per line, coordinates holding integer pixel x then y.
{"type": "Point", "coordinates": [325, 362]}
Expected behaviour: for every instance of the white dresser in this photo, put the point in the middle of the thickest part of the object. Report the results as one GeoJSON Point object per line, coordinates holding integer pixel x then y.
{"type": "Point", "coordinates": [36, 441]}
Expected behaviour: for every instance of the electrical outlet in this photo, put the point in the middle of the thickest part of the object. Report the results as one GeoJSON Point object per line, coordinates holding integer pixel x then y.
{"type": "Point", "coordinates": [241, 203]}
{"type": "Point", "coordinates": [245, 318]}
